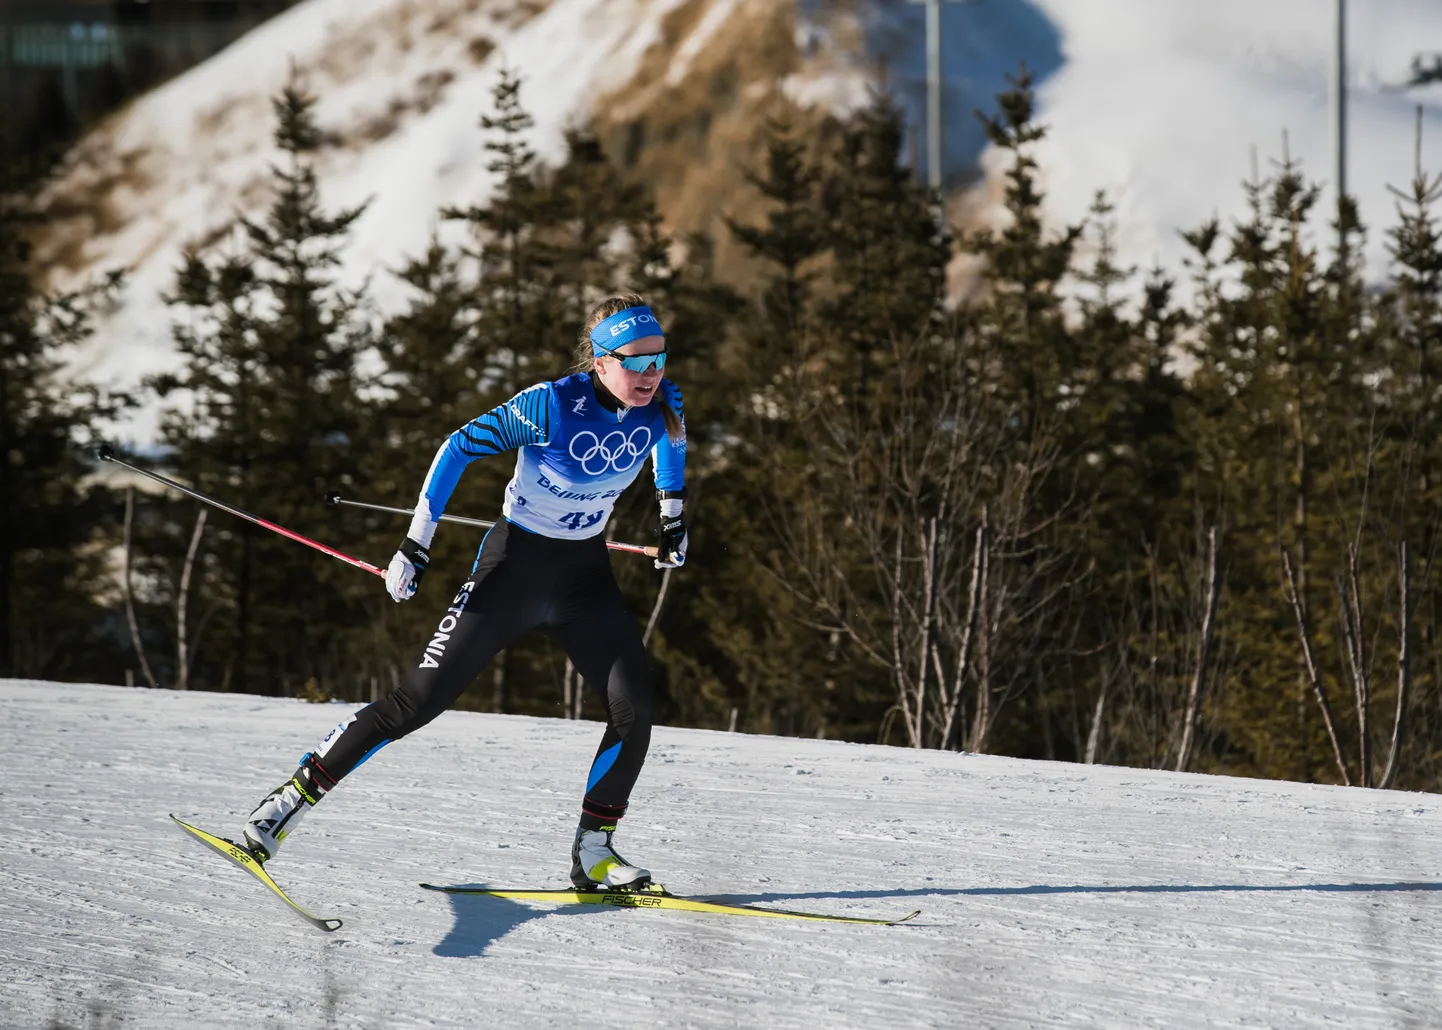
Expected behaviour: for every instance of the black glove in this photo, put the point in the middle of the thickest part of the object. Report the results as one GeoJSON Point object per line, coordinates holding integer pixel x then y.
{"type": "Point", "coordinates": [671, 551]}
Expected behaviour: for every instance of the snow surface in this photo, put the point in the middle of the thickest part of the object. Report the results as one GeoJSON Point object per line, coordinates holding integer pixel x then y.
{"type": "Point", "coordinates": [1051, 894]}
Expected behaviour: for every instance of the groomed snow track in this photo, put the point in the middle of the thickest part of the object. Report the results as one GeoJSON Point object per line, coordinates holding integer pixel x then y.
{"type": "Point", "coordinates": [1051, 894]}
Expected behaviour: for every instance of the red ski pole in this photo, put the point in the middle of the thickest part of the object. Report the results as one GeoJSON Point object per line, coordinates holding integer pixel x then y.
{"type": "Point", "coordinates": [106, 454]}
{"type": "Point", "coordinates": [334, 499]}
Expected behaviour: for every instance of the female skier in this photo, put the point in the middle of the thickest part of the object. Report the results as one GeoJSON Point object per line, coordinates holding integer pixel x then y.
{"type": "Point", "coordinates": [580, 440]}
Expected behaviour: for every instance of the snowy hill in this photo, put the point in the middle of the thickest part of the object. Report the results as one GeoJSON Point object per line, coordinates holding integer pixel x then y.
{"type": "Point", "coordinates": [1051, 895]}
{"type": "Point", "coordinates": [1159, 102]}
{"type": "Point", "coordinates": [401, 85]}
{"type": "Point", "coordinates": [1162, 104]}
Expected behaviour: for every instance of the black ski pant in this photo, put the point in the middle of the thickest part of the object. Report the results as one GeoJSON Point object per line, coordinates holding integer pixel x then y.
{"type": "Point", "coordinates": [522, 581]}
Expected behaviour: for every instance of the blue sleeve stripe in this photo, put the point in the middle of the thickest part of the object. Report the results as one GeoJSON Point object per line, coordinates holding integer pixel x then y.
{"type": "Point", "coordinates": [487, 435]}
{"type": "Point", "coordinates": [479, 446]}
{"type": "Point", "coordinates": [523, 420]}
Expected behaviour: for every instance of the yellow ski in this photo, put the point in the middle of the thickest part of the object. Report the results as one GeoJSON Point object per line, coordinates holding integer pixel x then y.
{"type": "Point", "coordinates": [659, 897]}
{"type": "Point", "coordinates": [247, 860]}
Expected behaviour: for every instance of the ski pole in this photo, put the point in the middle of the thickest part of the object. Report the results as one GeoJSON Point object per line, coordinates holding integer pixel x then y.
{"type": "Point", "coordinates": [334, 499]}
{"type": "Point", "coordinates": [106, 454]}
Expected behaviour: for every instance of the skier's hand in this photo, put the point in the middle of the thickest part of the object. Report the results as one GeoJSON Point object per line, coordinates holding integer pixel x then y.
{"type": "Point", "coordinates": [671, 551]}
{"type": "Point", "coordinates": [403, 577]}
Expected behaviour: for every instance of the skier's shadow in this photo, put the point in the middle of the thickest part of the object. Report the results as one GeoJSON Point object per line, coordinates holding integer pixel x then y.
{"type": "Point", "coordinates": [481, 920]}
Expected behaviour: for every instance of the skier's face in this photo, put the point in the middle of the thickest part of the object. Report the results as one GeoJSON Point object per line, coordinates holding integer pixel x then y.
{"type": "Point", "coordinates": [633, 389]}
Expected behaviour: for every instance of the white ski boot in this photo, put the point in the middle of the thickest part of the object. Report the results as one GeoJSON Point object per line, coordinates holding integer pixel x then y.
{"type": "Point", "coordinates": [594, 863]}
{"type": "Point", "coordinates": [276, 816]}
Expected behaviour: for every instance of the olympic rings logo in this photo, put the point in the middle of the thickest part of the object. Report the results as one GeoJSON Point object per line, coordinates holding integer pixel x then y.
{"type": "Point", "coordinates": [616, 451]}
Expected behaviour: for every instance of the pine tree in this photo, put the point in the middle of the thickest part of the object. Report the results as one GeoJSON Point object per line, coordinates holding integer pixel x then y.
{"type": "Point", "coordinates": [514, 312]}
{"type": "Point", "coordinates": [591, 203]}
{"type": "Point", "coordinates": [52, 572]}
{"type": "Point", "coordinates": [269, 419]}
{"type": "Point", "coordinates": [1023, 267]}
{"type": "Point", "coordinates": [1131, 462]}
{"type": "Point", "coordinates": [1038, 382]}
{"type": "Point", "coordinates": [434, 367]}
{"type": "Point", "coordinates": [794, 233]}
{"type": "Point", "coordinates": [1284, 427]}
{"type": "Point", "coordinates": [889, 252]}
{"type": "Point", "coordinates": [1409, 380]}
{"type": "Point", "coordinates": [762, 651]}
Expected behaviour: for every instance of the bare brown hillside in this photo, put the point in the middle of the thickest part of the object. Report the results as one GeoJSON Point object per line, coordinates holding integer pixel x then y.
{"type": "Point", "coordinates": [691, 122]}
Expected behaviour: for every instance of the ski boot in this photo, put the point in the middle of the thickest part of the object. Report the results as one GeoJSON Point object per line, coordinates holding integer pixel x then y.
{"type": "Point", "coordinates": [283, 808]}
{"type": "Point", "coordinates": [596, 865]}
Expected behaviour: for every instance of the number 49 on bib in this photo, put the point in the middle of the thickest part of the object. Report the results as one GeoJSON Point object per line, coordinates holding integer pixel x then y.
{"type": "Point", "coordinates": [580, 519]}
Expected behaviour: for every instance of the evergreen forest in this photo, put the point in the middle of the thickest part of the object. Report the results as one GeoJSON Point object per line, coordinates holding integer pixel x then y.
{"type": "Point", "coordinates": [1183, 518]}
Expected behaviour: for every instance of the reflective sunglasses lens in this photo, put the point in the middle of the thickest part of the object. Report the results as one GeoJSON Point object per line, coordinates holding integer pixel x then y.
{"type": "Point", "coordinates": [642, 362]}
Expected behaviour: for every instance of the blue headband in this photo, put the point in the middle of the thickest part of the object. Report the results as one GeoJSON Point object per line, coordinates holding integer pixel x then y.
{"type": "Point", "coordinates": [623, 327]}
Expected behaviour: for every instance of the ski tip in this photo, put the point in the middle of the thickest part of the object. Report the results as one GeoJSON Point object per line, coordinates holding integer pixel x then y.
{"type": "Point", "coordinates": [907, 917]}
{"type": "Point", "coordinates": [329, 925]}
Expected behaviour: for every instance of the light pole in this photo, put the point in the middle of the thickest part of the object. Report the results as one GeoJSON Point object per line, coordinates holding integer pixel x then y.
{"type": "Point", "coordinates": [933, 91]}
{"type": "Point", "coordinates": [1339, 108]}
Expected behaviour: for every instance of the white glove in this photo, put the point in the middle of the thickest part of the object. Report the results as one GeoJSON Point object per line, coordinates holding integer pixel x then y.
{"type": "Point", "coordinates": [403, 575]}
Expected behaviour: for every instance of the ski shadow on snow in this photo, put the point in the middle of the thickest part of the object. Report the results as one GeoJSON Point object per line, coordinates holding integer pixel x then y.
{"type": "Point", "coordinates": [481, 920]}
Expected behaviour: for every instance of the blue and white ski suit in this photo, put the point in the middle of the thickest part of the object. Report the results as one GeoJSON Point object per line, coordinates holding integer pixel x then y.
{"type": "Point", "coordinates": [544, 565]}
{"type": "Point", "coordinates": [574, 457]}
